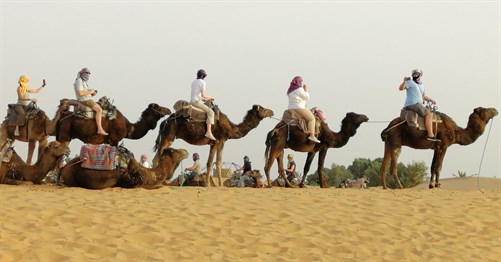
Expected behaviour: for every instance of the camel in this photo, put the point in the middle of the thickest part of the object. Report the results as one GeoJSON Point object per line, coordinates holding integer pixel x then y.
{"type": "Point", "coordinates": [70, 127]}
{"type": "Point", "coordinates": [193, 133]}
{"type": "Point", "coordinates": [35, 130]}
{"type": "Point", "coordinates": [283, 136]}
{"type": "Point", "coordinates": [133, 176]}
{"type": "Point", "coordinates": [16, 170]}
{"type": "Point", "coordinates": [397, 135]}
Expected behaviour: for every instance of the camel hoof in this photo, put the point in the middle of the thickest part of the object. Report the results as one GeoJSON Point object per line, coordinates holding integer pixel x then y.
{"type": "Point", "coordinates": [438, 185]}
{"type": "Point", "coordinates": [431, 186]}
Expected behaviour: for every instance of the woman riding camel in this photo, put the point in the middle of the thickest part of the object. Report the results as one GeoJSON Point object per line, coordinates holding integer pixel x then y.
{"type": "Point", "coordinates": [23, 99]}
{"type": "Point", "coordinates": [298, 96]}
{"type": "Point", "coordinates": [85, 94]}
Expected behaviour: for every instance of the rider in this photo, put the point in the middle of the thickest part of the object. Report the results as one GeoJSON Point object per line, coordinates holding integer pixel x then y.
{"type": "Point", "coordinates": [414, 101]}
{"type": "Point", "coordinates": [298, 95]}
{"type": "Point", "coordinates": [23, 99]}
{"type": "Point", "coordinates": [198, 97]}
{"type": "Point", "coordinates": [291, 168]}
{"type": "Point", "coordinates": [195, 169]}
{"type": "Point", "coordinates": [85, 94]}
{"type": "Point", "coordinates": [246, 167]}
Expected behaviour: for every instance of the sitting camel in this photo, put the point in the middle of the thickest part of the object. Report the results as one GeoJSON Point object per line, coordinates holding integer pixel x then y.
{"type": "Point", "coordinates": [37, 129]}
{"type": "Point", "coordinates": [284, 136]}
{"type": "Point", "coordinates": [16, 170]}
{"type": "Point", "coordinates": [133, 175]}
{"type": "Point", "coordinates": [71, 126]}
{"type": "Point", "coordinates": [399, 134]}
{"type": "Point", "coordinates": [177, 126]}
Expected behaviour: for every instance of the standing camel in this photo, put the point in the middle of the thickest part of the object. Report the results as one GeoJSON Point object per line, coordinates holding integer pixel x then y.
{"type": "Point", "coordinates": [397, 135]}
{"type": "Point", "coordinates": [16, 170]}
{"type": "Point", "coordinates": [85, 130]}
{"type": "Point", "coordinates": [35, 130]}
{"type": "Point", "coordinates": [283, 136]}
{"type": "Point", "coordinates": [193, 132]}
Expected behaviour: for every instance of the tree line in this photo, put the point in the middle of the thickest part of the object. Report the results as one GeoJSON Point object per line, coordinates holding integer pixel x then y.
{"type": "Point", "coordinates": [410, 175]}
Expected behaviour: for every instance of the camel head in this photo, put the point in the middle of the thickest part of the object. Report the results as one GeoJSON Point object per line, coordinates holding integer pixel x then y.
{"type": "Point", "coordinates": [173, 156]}
{"type": "Point", "coordinates": [262, 112]}
{"type": "Point", "coordinates": [57, 149]}
{"type": "Point", "coordinates": [354, 118]}
{"type": "Point", "coordinates": [160, 110]}
{"type": "Point", "coordinates": [485, 114]}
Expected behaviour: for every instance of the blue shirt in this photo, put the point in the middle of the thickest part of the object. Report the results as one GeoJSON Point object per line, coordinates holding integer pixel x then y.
{"type": "Point", "coordinates": [415, 93]}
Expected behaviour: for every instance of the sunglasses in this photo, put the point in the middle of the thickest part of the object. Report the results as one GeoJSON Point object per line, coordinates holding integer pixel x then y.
{"type": "Point", "coordinates": [87, 73]}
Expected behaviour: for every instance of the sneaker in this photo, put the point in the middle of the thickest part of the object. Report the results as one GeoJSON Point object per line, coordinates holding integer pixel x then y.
{"type": "Point", "coordinates": [314, 139]}
{"type": "Point", "coordinates": [210, 136]}
{"type": "Point", "coordinates": [433, 139]}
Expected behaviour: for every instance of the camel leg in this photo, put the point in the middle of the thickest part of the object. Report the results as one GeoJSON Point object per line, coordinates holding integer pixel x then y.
{"type": "Point", "coordinates": [281, 170]}
{"type": "Point", "coordinates": [320, 168]}
{"type": "Point", "coordinates": [436, 166]}
{"type": "Point", "coordinates": [219, 162]}
{"type": "Point", "coordinates": [384, 164]}
{"type": "Point", "coordinates": [307, 165]}
{"type": "Point", "coordinates": [210, 160]}
{"type": "Point", "coordinates": [165, 143]}
{"type": "Point", "coordinates": [273, 155]}
{"type": "Point", "coordinates": [31, 149]}
{"type": "Point", "coordinates": [393, 166]}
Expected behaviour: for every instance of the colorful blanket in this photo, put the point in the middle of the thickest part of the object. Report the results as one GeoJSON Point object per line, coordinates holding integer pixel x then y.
{"type": "Point", "coordinates": [99, 157]}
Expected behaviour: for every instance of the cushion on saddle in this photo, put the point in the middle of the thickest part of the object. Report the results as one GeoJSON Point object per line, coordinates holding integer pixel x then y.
{"type": "Point", "coordinates": [414, 120]}
{"type": "Point", "coordinates": [98, 157]}
{"type": "Point", "coordinates": [293, 118]}
{"type": "Point", "coordinates": [191, 113]}
{"type": "Point", "coordinates": [30, 111]}
{"type": "Point", "coordinates": [83, 111]}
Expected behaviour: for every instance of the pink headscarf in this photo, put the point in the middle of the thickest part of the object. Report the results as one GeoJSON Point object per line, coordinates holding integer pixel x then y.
{"type": "Point", "coordinates": [296, 83]}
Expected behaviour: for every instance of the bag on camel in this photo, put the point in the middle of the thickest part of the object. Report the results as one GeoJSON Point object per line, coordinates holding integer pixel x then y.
{"type": "Point", "coordinates": [99, 157]}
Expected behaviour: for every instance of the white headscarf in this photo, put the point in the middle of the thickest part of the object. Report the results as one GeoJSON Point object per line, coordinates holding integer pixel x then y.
{"type": "Point", "coordinates": [81, 74]}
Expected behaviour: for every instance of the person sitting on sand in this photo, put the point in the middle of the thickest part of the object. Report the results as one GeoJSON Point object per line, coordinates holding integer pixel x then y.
{"type": "Point", "coordinates": [246, 167]}
{"type": "Point", "coordinates": [194, 170]}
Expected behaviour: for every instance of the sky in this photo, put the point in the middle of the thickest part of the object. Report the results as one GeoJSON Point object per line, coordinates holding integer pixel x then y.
{"type": "Point", "coordinates": [352, 55]}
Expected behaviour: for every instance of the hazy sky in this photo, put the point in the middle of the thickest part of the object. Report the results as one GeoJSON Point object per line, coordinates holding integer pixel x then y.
{"type": "Point", "coordinates": [352, 54]}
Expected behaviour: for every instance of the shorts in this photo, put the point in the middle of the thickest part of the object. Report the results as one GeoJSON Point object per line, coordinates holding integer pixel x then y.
{"type": "Point", "coordinates": [419, 109]}
{"type": "Point", "coordinates": [90, 103]}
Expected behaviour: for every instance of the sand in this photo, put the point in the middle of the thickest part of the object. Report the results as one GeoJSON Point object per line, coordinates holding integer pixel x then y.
{"type": "Point", "coordinates": [47, 223]}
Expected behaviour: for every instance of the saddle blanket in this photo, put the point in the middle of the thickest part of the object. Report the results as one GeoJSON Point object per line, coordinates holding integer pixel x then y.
{"type": "Point", "coordinates": [98, 157]}
{"type": "Point", "coordinates": [300, 122]}
{"type": "Point", "coordinates": [414, 120]}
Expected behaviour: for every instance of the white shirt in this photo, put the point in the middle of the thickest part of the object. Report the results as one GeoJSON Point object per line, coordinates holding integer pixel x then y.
{"type": "Point", "coordinates": [197, 86]}
{"type": "Point", "coordinates": [298, 98]}
{"type": "Point", "coordinates": [146, 164]}
{"type": "Point", "coordinates": [81, 85]}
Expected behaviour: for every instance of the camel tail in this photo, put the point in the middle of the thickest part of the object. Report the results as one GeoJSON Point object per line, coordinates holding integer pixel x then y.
{"type": "Point", "coordinates": [268, 144]}
{"type": "Point", "coordinates": [384, 134]}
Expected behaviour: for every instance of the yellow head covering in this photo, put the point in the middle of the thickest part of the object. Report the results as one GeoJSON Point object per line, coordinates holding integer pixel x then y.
{"type": "Point", "coordinates": [23, 82]}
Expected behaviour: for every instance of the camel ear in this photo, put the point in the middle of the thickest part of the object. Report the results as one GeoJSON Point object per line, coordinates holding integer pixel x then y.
{"type": "Point", "coordinates": [256, 107]}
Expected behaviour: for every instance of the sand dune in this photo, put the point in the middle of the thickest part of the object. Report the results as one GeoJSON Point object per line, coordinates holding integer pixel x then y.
{"type": "Point", "coordinates": [47, 223]}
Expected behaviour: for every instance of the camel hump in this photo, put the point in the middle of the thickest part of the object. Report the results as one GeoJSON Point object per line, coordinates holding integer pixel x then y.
{"type": "Point", "coordinates": [180, 105]}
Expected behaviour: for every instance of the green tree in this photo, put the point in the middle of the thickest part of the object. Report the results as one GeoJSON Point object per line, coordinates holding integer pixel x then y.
{"type": "Point", "coordinates": [334, 175]}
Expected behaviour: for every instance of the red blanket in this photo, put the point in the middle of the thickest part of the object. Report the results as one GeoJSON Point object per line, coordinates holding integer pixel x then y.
{"type": "Point", "coordinates": [100, 157]}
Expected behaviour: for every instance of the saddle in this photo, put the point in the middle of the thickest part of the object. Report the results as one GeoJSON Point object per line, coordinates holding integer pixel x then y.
{"type": "Point", "coordinates": [292, 118]}
{"type": "Point", "coordinates": [194, 114]}
{"type": "Point", "coordinates": [83, 111]}
{"type": "Point", "coordinates": [31, 112]}
{"type": "Point", "coordinates": [98, 157]}
{"type": "Point", "coordinates": [414, 120]}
